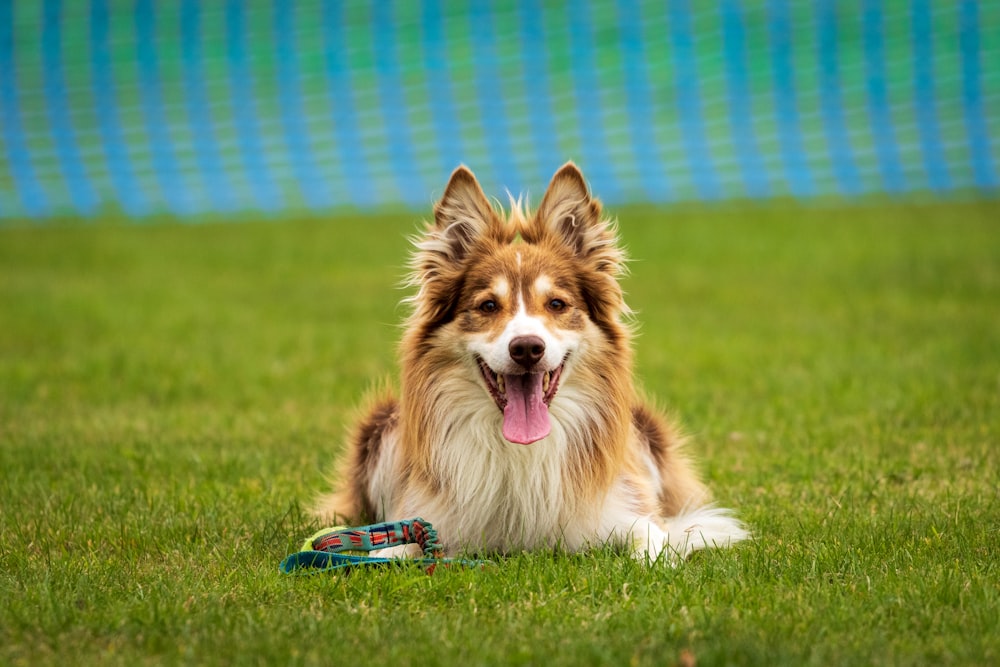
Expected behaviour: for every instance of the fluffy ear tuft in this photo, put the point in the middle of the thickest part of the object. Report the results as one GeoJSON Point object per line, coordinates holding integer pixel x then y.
{"type": "Point", "coordinates": [567, 210]}
{"type": "Point", "coordinates": [463, 215]}
{"type": "Point", "coordinates": [571, 216]}
{"type": "Point", "coordinates": [463, 219]}
{"type": "Point", "coordinates": [571, 219]}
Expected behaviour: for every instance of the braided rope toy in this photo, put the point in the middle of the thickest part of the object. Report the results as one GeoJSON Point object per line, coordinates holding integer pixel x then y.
{"type": "Point", "coordinates": [343, 548]}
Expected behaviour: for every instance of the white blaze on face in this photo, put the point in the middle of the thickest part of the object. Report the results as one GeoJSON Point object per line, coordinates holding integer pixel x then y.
{"type": "Point", "coordinates": [526, 413]}
{"type": "Point", "coordinates": [496, 352]}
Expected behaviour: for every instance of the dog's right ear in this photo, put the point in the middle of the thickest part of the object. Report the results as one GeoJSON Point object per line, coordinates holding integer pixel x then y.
{"type": "Point", "coordinates": [462, 217]}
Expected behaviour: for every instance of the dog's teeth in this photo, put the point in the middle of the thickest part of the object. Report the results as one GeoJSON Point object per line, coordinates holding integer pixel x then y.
{"type": "Point", "coordinates": [545, 381]}
{"type": "Point", "coordinates": [501, 385]}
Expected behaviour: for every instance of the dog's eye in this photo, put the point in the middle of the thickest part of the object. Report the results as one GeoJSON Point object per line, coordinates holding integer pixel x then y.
{"type": "Point", "coordinates": [488, 306]}
{"type": "Point", "coordinates": [557, 305]}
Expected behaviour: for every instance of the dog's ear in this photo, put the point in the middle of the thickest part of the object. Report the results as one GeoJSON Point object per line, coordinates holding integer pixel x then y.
{"type": "Point", "coordinates": [571, 216]}
{"type": "Point", "coordinates": [463, 219]}
{"type": "Point", "coordinates": [463, 216]}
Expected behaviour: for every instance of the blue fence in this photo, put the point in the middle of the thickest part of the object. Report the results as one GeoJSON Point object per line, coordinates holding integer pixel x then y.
{"type": "Point", "coordinates": [192, 107]}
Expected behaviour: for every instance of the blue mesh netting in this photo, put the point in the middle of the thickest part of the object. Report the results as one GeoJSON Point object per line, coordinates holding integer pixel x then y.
{"type": "Point", "coordinates": [191, 107]}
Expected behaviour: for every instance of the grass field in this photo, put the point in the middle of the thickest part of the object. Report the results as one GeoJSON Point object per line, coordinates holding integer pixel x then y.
{"type": "Point", "coordinates": [171, 397]}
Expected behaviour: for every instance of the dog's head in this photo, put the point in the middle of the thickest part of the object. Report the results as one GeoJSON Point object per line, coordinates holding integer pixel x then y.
{"type": "Point", "coordinates": [524, 303]}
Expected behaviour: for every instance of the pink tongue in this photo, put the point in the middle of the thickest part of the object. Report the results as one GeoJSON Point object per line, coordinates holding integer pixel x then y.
{"type": "Point", "coordinates": [525, 417]}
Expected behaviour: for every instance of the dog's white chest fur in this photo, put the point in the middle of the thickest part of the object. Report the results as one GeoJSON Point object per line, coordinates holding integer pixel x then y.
{"type": "Point", "coordinates": [495, 495]}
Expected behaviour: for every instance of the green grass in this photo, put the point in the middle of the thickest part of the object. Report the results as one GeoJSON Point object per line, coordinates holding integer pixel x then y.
{"type": "Point", "coordinates": [171, 397]}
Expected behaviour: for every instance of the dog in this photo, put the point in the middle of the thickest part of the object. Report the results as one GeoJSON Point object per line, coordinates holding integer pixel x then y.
{"type": "Point", "coordinates": [518, 425]}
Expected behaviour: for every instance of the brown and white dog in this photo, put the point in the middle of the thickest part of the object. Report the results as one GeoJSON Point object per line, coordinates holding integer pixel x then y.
{"type": "Point", "coordinates": [518, 426]}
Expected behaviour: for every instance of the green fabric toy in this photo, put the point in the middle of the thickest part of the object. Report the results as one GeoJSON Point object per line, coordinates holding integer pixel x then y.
{"type": "Point", "coordinates": [343, 548]}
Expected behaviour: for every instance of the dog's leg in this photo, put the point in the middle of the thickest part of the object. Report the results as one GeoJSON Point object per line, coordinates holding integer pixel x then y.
{"type": "Point", "coordinates": [678, 537]}
{"type": "Point", "coordinates": [647, 542]}
{"type": "Point", "coordinates": [702, 528]}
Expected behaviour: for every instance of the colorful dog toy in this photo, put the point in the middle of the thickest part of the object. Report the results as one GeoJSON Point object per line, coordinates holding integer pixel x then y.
{"type": "Point", "coordinates": [341, 547]}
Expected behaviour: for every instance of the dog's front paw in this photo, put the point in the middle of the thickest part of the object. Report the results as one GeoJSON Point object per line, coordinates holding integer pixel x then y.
{"type": "Point", "coordinates": [701, 528]}
{"type": "Point", "coordinates": [649, 544]}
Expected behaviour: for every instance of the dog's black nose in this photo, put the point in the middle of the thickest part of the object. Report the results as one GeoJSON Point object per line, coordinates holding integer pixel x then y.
{"type": "Point", "coordinates": [527, 350]}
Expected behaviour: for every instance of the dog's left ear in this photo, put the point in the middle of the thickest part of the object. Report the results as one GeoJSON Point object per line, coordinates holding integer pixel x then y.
{"type": "Point", "coordinates": [570, 215]}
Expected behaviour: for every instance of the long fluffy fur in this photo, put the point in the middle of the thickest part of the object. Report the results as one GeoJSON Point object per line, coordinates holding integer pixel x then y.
{"type": "Point", "coordinates": [612, 469]}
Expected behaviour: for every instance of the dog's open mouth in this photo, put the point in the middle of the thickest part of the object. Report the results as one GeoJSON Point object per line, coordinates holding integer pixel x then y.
{"type": "Point", "coordinates": [524, 400]}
